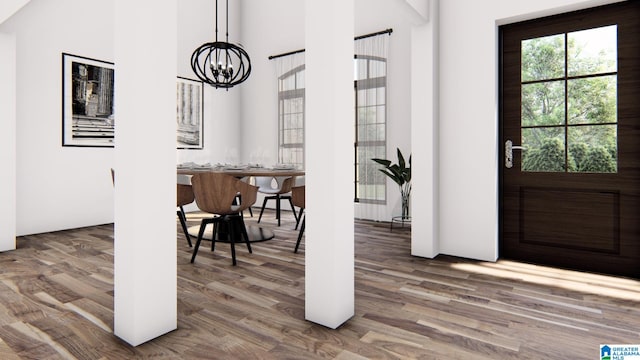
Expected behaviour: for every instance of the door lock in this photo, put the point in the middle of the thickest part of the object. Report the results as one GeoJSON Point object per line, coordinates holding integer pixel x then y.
{"type": "Point", "coordinates": [508, 153]}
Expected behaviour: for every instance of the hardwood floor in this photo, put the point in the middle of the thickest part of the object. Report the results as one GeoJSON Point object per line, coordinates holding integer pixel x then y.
{"type": "Point", "coordinates": [56, 301]}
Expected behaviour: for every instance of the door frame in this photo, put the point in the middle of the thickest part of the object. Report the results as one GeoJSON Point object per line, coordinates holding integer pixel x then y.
{"type": "Point", "coordinates": [501, 116]}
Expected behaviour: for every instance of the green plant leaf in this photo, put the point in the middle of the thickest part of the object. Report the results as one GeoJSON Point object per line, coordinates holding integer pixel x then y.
{"type": "Point", "coordinates": [400, 159]}
{"type": "Point", "coordinates": [392, 176]}
{"type": "Point", "coordinates": [383, 162]}
{"type": "Point", "coordinates": [399, 173]}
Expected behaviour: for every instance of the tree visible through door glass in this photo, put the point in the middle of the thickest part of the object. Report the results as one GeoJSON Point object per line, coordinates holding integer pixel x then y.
{"type": "Point", "coordinates": [569, 102]}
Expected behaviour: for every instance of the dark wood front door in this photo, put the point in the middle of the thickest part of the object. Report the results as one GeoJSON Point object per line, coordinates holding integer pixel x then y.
{"type": "Point", "coordinates": [570, 132]}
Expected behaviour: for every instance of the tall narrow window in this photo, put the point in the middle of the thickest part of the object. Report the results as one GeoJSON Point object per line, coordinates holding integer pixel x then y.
{"type": "Point", "coordinates": [291, 103]}
{"type": "Point", "coordinates": [370, 75]}
{"type": "Point", "coordinates": [370, 70]}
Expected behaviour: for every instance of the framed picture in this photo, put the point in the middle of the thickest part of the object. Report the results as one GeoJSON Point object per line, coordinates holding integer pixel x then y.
{"type": "Point", "coordinates": [87, 102]}
{"type": "Point", "coordinates": [189, 117]}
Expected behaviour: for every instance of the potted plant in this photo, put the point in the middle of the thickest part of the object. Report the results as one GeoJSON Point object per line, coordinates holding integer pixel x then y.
{"type": "Point", "coordinates": [401, 174]}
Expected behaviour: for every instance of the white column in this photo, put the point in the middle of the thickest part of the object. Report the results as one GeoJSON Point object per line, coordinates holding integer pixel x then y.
{"type": "Point", "coordinates": [145, 277]}
{"type": "Point", "coordinates": [424, 136]}
{"type": "Point", "coordinates": [329, 247]}
{"type": "Point", "coordinates": [7, 142]}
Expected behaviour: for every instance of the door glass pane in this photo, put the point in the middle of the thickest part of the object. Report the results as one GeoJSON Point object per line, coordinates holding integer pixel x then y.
{"type": "Point", "coordinates": [582, 105]}
{"type": "Point", "coordinates": [543, 103]}
{"type": "Point", "coordinates": [594, 148]}
{"type": "Point", "coordinates": [543, 149]}
{"type": "Point", "coordinates": [543, 58]}
{"type": "Point", "coordinates": [593, 51]}
{"type": "Point", "coordinates": [593, 100]}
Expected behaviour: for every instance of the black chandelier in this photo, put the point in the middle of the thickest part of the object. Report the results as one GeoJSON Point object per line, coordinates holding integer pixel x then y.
{"type": "Point", "coordinates": [220, 63]}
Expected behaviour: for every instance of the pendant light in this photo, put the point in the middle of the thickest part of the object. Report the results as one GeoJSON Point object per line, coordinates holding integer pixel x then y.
{"type": "Point", "coordinates": [221, 64]}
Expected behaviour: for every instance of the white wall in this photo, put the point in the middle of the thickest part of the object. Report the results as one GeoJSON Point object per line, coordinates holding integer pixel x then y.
{"type": "Point", "coordinates": [57, 188]}
{"type": "Point", "coordinates": [7, 142]}
{"type": "Point", "coordinates": [274, 27]}
{"type": "Point", "coordinates": [469, 118]}
{"type": "Point", "coordinates": [65, 187]}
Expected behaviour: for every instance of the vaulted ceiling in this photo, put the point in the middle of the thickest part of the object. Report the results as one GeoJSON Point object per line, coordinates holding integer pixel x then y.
{"type": "Point", "coordinates": [10, 7]}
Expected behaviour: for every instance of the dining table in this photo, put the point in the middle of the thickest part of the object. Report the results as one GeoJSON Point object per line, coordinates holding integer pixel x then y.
{"type": "Point", "coordinates": [241, 171]}
{"type": "Point", "coordinates": [255, 233]}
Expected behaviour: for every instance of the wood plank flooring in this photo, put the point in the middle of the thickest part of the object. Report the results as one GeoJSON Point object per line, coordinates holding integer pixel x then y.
{"type": "Point", "coordinates": [56, 302]}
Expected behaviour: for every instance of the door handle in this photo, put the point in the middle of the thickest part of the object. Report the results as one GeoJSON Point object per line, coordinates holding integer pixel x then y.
{"type": "Point", "coordinates": [508, 153]}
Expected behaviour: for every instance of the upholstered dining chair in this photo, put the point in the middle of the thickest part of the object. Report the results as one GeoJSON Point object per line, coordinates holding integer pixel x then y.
{"type": "Point", "coordinates": [298, 198]}
{"type": "Point", "coordinates": [184, 196]}
{"type": "Point", "coordinates": [281, 191]}
{"type": "Point", "coordinates": [216, 194]}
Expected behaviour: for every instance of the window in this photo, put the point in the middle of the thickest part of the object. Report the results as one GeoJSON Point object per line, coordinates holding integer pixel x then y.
{"type": "Point", "coordinates": [291, 117]}
{"type": "Point", "coordinates": [370, 75]}
{"type": "Point", "coordinates": [569, 102]}
{"type": "Point", "coordinates": [370, 142]}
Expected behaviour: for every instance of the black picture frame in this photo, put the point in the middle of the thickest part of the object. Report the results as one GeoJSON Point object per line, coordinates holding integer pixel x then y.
{"type": "Point", "coordinates": [189, 113]}
{"type": "Point", "coordinates": [87, 102]}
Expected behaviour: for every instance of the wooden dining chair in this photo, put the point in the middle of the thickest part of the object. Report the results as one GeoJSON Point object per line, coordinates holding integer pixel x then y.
{"type": "Point", "coordinates": [281, 191]}
{"type": "Point", "coordinates": [298, 198]}
{"type": "Point", "coordinates": [216, 194]}
{"type": "Point", "coordinates": [246, 179]}
{"type": "Point", "coordinates": [184, 197]}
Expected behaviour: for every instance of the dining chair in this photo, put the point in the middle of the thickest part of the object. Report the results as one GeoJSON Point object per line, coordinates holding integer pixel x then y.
{"type": "Point", "coordinates": [184, 196]}
{"type": "Point", "coordinates": [216, 194]}
{"type": "Point", "coordinates": [298, 197]}
{"type": "Point", "coordinates": [299, 181]}
{"type": "Point", "coordinates": [246, 179]}
{"type": "Point", "coordinates": [281, 191]}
